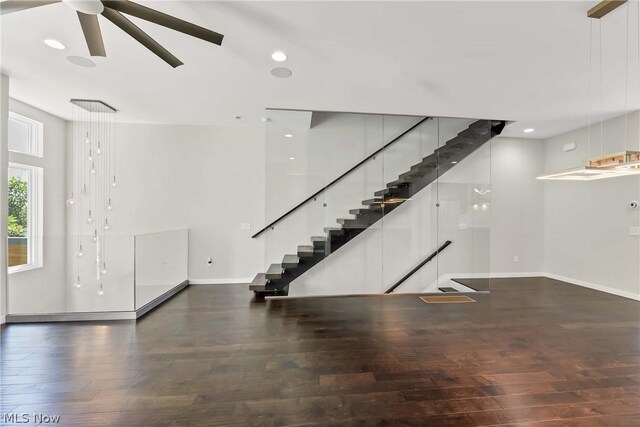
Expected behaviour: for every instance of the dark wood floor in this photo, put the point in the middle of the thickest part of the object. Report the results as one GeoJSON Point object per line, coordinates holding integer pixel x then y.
{"type": "Point", "coordinates": [533, 352]}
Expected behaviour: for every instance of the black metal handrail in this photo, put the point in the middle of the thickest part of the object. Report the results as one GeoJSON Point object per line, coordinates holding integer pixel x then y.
{"type": "Point", "coordinates": [315, 195]}
{"type": "Point", "coordinates": [419, 266]}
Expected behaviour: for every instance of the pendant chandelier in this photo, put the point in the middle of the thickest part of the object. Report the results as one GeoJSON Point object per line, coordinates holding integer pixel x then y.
{"type": "Point", "coordinates": [92, 183]}
{"type": "Point", "coordinates": [614, 164]}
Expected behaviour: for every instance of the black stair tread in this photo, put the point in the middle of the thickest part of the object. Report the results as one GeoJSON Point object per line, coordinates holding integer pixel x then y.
{"type": "Point", "coordinates": [274, 272]}
{"type": "Point", "coordinates": [372, 201]}
{"type": "Point", "coordinates": [290, 261]}
{"type": "Point", "coordinates": [305, 251]}
{"type": "Point", "coordinates": [354, 223]}
{"type": "Point", "coordinates": [448, 289]}
{"type": "Point", "coordinates": [332, 230]}
{"type": "Point", "coordinates": [259, 282]}
{"type": "Point", "coordinates": [344, 220]}
{"type": "Point", "coordinates": [396, 183]}
{"type": "Point", "coordinates": [383, 192]}
{"type": "Point", "coordinates": [318, 239]}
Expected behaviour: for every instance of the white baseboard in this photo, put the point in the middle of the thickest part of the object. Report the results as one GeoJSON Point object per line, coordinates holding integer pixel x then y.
{"type": "Point", "coordinates": [3, 319]}
{"type": "Point", "coordinates": [244, 281]}
{"type": "Point", "coordinates": [594, 286]}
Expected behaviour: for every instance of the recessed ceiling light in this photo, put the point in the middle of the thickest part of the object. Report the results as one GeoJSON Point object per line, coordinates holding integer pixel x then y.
{"type": "Point", "coordinates": [81, 61]}
{"type": "Point", "coordinates": [55, 44]}
{"type": "Point", "coordinates": [529, 130]}
{"type": "Point", "coordinates": [453, 163]}
{"type": "Point", "coordinates": [279, 56]}
{"type": "Point", "coordinates": [265, 119]}
{"type": "Point", "coordinates": [292, 158]}
{"type": "Point", "coordinates": [288, 135]}
{"type": "Point", "coordinates": [281, 72]}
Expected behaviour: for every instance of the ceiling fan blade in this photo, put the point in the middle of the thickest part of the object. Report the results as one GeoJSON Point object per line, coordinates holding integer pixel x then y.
{"type": "Point", "coordinates": [92, 34]}
{"type": "Point", "coordinates": [11, 6]}
{"type": "Point", "coordinates": [165, 20]}
{"type": "Point", "coordinates": [142, 37]}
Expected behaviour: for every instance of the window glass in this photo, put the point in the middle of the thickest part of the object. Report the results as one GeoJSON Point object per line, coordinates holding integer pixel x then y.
{"type": "Point", "coordinates": [18, 221]}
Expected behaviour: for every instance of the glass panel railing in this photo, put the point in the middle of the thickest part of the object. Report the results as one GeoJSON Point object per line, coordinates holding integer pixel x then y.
{"type": "Point", "coordinates": [464, 213]}
{"type": "Point", "coordinates": [67, 281]}
{"type": "Point", "coordinates": [386, 191]}
{"type": "Point", "coordinates": [161, 263]}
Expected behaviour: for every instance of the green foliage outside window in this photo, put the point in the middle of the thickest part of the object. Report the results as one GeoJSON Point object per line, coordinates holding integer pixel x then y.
{"type": "Point", "coordinates": [18, 217]}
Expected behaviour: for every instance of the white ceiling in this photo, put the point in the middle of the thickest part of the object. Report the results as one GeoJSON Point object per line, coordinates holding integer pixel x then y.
{"type": "Point", "coordinates": [515, 60]}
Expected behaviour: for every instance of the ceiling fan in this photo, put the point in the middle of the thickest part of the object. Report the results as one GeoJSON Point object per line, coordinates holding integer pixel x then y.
{"type": "Point", "coordinates": [113, 10]}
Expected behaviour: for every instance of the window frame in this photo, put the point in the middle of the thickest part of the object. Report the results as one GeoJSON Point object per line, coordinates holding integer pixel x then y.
{"type": "Point", "coordinates": [36, 135]}
{"type": "Point", "coordinates": [34, 163]}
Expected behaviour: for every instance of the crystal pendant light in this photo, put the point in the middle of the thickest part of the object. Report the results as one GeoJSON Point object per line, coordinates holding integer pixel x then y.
{"type": "Point", "coordinates": [94, 176]}
{"type": "Point", "coordinates": [77, 284]}
{"type": "Point", "coordinates": [80, 254]}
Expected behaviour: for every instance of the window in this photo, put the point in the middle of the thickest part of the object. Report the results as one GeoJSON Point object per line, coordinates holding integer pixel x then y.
{"type": "Point", "coordinates": [25, 135]}
{"type": "Point", "coordinates": [24, 193]}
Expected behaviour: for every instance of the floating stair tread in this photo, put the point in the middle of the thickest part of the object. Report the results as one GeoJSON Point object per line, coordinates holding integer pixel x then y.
{"type": "Point", "coordinates": [329, 230]}
{"type": "Point", "coordinates": [383, 192]}
{"type": "Point", "coordinates": [372, 201]}
{"type": "Point", "coordinates": [305, 251]}
{"type": "Point", "coordinates": [274, 272]}
{"type": "Point", "coordinates": [319, 240]}
{"type": "Point", "coordinates": [259, 282]}
{"type": "Point", "coordinates": [290, 261]}
{"type": "Point", "coordinates": [447, 289]}
{"type": "Point", "coordinates": [344, 220]}
{"type": "Point", "coordinates": [396, 183]}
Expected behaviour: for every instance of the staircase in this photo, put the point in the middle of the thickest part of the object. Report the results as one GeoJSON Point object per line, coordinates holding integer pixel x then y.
{"type": "Point", "coordinates": [277, 278]}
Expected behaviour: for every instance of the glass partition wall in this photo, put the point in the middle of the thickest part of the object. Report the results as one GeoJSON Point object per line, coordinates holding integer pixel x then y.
{"type": "Point", "coordinates": [356, 203]}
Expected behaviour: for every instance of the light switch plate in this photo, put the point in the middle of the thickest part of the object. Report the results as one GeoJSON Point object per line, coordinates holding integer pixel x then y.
{"type": "Point", "coordinates": [245, 226]}
{"type": "Point", "coordinates": [634, 231]}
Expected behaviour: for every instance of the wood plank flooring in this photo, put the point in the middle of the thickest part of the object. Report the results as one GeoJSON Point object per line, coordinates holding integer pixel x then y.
{"type": "Point", "coordinates": [533, 352]}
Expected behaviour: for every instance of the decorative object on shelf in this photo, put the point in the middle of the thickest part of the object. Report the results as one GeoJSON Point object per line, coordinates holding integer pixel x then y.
{"type": "Point", "coordinates": [93, 179]}
{"type": "Point", "coordinates": [614, 164]}
{"type": "Point", "coordinates": [113, 10]}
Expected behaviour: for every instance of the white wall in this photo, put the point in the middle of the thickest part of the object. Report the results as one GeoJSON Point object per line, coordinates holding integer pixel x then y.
{"type": "Point", "coordinates": [42, 290]}
{"type": "Point", "coordinates": [587, 224]}
{"type": "Point", "coordinates": [206, 179]}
